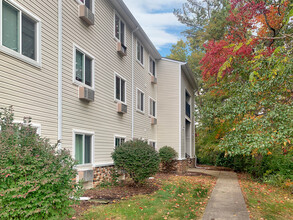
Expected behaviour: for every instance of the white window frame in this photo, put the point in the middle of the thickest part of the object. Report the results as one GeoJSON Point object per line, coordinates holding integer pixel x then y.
{"type": "Point", "coordinates": [83, 132]}
{"type": "Point", "coordinates": [150, 115]}
{"type": "Point", "coordinates": [18, 55]}
{"type": "Point", "coordinates": [141, 51]}
{"type": "Point", "coordinates": [114, 34]}
{"type": "Point", "coordinates": [152, 74]}
{"type": "Point", "coordinates": [76, 82]}
{"type": "Point", "coordinates": [118, 136]}
{"type": "Point", "coordinates": [137, 109]}
{"type": "Point", "coordinates": [115, 99]}
{"type": "Point", "coordinates": [190, 103]}
{"type": "Point", "coordinates": [153, 141]}
{"type": "Point", "coordinates": [93, 5]}
{"type": "Point", "coordinates": [38, 127]}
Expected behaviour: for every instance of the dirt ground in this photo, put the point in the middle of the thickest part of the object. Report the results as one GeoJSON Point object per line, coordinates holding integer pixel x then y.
{"type": "Point", "coordinates": [125, 189]}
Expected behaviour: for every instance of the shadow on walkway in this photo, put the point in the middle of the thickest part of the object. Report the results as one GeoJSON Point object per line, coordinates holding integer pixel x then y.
{"type": "Point", "coordinates": [226, 201]}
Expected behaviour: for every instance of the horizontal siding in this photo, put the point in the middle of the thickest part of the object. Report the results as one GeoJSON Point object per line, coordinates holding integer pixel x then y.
{"type": "Point", "coordinates": [168, 104]}
{"type": "Point", "coordinates": [187, 86]}
{"type": "Point", "coordinates": [99, 116]}
{"type": "Point", "coordinates": [33, 91]}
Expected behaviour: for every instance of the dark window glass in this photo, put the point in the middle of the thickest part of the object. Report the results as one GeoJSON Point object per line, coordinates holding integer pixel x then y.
{"type": "Point", "coordinates": [88, 4]}
{"type": "Point", "coordinates": [122, 90]}
{"type": "Point", "coordinates": [88, 71]}
{"type": "Point", "coordinates": [142, 106]}
{"type": "Point", "coordinates": [122, 29]}
{"type": "Point", "coordinates": [28, 37]}
{"type": "Point", "coordinates": [154, 109]}
{"type": "Point", "coordinates": [141, 58]}
{"type": "Point", "coordinates": [87, 149]}
{"type": "Point", "coordinates": [117, 88]}
{"type": "Point", "coordinates": [79, 66]}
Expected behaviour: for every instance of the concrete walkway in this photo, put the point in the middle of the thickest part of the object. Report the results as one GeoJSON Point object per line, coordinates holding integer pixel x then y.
{"type": "Point", "coordinates": [226, 201]}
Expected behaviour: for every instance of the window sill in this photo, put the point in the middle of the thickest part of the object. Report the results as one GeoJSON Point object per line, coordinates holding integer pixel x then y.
{"type": "Point", "coordinates": [77, 83]}
{"type": "Point", "coordinates": [20, 57]}
{"type": "Point", "coordinates": [119, 101]}
{"type": "Point", "coordinates": [139, 63]}
{"type": "Point", "coordinates": [139, 111]}
{"type": "Point", "coordinates": [83, 167]}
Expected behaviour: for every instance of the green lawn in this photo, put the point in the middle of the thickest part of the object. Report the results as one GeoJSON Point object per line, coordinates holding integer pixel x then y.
{"type": "Point", "coordinates": [180, 197]}
{"type": "Point", "coordinates": [265, 201]}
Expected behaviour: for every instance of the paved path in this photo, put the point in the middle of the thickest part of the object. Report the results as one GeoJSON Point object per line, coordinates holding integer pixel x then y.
{"type": "Point", "coordinates": [226, 201]}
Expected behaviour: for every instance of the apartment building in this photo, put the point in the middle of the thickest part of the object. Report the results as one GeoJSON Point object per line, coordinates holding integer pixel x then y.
{"type": "Point", "coordinates": [91, 79]}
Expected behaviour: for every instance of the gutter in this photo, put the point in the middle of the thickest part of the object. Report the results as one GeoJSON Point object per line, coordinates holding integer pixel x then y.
{"type": "Point", "coordinates": [60, 74]}
{"type": "Point", "coordinates": [180, 112]}
{"type": "Point", "coordinates": [132, 83]}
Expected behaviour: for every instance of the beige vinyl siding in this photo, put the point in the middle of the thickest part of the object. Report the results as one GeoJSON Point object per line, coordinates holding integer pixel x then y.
{"type": "Point", "coordinates": [142, 80]}
{"type": "Point", "coordinates": [30, 90]}
{"type": "Point", "coordinates": [100, 116]}
{"type": "Point", "coordinates": [168, 104]}
{"type": "Point", "coordinates": [185, 85]}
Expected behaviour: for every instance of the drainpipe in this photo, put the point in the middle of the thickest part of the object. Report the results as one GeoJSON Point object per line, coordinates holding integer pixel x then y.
{"type": "Point", "coordinates": [59, 74]}
{"type": "Point", "coordinates": [180, 115]}
{"type": "Point", "coordinates": [132, 83]}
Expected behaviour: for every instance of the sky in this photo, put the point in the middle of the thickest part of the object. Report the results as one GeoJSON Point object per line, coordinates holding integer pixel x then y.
{"type": "Point", "coordinates": [158, 21]}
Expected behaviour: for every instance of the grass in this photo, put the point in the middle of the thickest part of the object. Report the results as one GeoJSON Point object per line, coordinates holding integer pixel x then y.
{"type": "Point", "coordinates": [179, 197]}
{"type": "Point", "coordinates": [266, 201]}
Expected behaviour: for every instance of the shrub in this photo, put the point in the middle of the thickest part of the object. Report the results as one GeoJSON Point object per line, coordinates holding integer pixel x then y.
{"type": "Point", "coordinates": [167, 154]}
{"type": "Point", "coordinates": [35, 181]}
{"type": "Point", "coordinates": [138, 159]}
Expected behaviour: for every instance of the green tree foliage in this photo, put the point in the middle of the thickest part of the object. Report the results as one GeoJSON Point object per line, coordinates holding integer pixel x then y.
{"type": "Point", "coordinates": [245, 114]}
{"type": "Point", "coordinates": [138, 159]}
{"type": "Point", "coordinates": [36, 182]}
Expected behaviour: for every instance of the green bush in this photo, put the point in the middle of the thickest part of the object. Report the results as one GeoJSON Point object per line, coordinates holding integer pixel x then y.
{"type": "Point", "coordinates": [35, 181]}
{"type": "Point", "coordinates": [167, 154]}
{"type": "Point", "coordinates": [138, 159]}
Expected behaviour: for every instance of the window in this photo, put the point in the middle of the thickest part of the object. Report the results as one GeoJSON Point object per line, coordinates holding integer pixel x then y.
{"type": "Point", "coordinates": [153, 107]}
{"type": "Point", "coordinates": [120, 89]}
{"type": "Point", "coordinates": [119, 29]}
{"type": "Point", "coordinates": [140, 100]}
{"type": "Point", "coordinates": [187, 104]}
{"type": "Point", "coordinates": [84, 66]}
{"type": "Point", "coordinates": [88, 4]}
{"type": "Point", "coordinates": [153, 144]}
{"type": "Point", "coordinates": [139, 52]}
{"type": "Point", "coordinates": [119, 141]}
{"type": "Point", "coordinates": [20, 31]}
{"type": "Point", "coordinates": [152, 66]}
{"type": "Point", "coordinates": [83, 148]}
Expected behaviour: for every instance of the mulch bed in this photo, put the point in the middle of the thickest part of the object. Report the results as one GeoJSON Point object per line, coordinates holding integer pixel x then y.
{"type": "Point", "coordinates": [125, 190]}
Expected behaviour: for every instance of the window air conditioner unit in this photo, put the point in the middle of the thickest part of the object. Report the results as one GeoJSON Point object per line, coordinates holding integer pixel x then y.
{"type": "Point", "coordinates": [153, 121]}
{"type": "Point", "coordinates": [154, 79]}
{"type": "Point", "coordinates": [86, 94]}
{"type": "Point", "coordinates": [121, 49]}
{"type": "Point", "coordinates": [121, 108]}
{"type": "Point", "coordinates": [87, 15]}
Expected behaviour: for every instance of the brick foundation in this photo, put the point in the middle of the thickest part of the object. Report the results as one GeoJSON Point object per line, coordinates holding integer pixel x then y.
{"type": "Point", "coordinates": [178, 166]}
{"type": "Point", "coordinates": [102, 174]}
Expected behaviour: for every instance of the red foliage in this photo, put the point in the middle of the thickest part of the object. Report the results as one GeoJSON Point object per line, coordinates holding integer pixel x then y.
{"type": "Point", "coordinates": [246, 17]}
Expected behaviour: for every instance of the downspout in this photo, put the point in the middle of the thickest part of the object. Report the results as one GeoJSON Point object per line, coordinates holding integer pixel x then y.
{"type": "Point", "coordinates": [132, 84]}
{"type": "Point", "coordinates": [59, 74]}
{"type": "Point", "coordinates": [180, 115]}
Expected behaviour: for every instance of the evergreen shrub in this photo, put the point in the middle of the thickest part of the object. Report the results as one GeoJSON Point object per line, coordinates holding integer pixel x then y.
{"type": "Point", "coordinates": [138, 159]}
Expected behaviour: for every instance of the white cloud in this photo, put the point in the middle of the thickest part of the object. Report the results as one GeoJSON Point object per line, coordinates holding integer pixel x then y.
{"type": "Point", "coordinates": [157, 19]}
